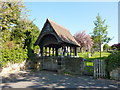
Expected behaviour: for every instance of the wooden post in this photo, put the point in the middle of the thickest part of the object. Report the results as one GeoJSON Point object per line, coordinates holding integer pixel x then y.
{"type": "Point", "coordinates": [64, 50]}
{"type": "Point", "coordinates": [70, 50]}
{"type": "Point", "coordinates": [67, 50]}
{"type": "Point", "coordinates": [49, 51]}
{"type": "Point", "coordinates": [45, 51]}
{"type": "Point", "coordinates": [56, 49]}
{"type": "Point", "coordinates": [41, 51]}
{"type": "Point", "coordinates": [82, 66]}
{"type": "Point", "coordinates": [53, 51]}
{"type": "Point", "coordinates": [94, 68]}
{"type": "Point", "coordinates": [75, 51]}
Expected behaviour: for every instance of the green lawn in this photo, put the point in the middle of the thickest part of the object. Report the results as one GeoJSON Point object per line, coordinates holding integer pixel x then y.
{"type": "Point", "coordinates": [95, 56]}
{"type": "Point", "coordinates": [88, 64]}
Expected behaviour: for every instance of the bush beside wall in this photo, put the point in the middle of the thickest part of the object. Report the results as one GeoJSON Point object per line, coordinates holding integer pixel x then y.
{"type": "Point", "coordinates": [12, 55]}
{"type": "Point", "coordinates": [112, 63]}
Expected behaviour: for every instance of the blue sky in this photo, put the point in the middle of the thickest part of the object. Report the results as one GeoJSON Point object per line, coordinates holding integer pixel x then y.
{"type": "Point", "coordinates": [76, 16]}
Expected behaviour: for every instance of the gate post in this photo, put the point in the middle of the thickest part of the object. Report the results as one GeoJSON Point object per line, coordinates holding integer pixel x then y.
{"type": "Point", "coordinates": [82, 66]}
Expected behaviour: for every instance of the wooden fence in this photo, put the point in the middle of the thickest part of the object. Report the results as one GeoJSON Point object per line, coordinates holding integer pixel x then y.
{"type": "Point", "coordinates": [99, 69]}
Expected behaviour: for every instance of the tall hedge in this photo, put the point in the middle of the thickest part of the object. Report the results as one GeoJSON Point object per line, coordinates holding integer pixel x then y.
{"type": "Point", "coordinates": [12, 55]}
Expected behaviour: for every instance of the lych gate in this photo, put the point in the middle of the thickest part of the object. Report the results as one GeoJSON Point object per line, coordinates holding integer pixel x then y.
{"type": "Point", "coordinates": [55, 41]}
{"type": "Point", "coordinates": [58, 51]}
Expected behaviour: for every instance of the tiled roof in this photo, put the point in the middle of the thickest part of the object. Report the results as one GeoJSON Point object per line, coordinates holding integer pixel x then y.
{"type": "Point", "coordinates": [63, 33]}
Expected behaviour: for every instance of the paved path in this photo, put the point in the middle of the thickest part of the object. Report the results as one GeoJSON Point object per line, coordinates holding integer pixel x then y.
{"type": "Point", "coordinates": [47, 79]}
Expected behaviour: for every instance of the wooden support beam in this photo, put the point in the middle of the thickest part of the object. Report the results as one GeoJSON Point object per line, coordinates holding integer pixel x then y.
{"type": "Point", "coordinates": [70, 50]}
{"type": "Point", "coordinates": [49, 51]}
{"type": "Point", "coordinates": [56, 49]}
{"type": "Point", "coordinates": [67, 51]}
{"type": "Point", "coordinates": [75, 51]}
{"type": "Point", "coordinates": [53, 51]}
{"type": "Point", "coordinates": [45, 51]}
{"type": "Point", "coordinates": [64, 50]}
{"type": "Point", "coordinates": [41, 51]}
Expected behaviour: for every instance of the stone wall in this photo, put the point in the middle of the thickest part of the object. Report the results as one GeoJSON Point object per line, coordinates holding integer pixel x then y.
{"type": "Point", "coordinates": [115, 74]}
{"type": "Point", "coordinates": [73, 65]}
{"type": "Point", "coordinates": [34, 63]}
{"type": "Point", "coordinates": [70, 65]}
{"type": "Point", "coordinates": [12, 68]}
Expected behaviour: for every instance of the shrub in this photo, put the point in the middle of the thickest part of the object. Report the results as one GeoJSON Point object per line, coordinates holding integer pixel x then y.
{"type": "Point", "coordinates": [13, 55]}
{"type": "Point", "coordinates": [116, 46]}
{"type": "Point", "coordinates": [106, 47]}
{"type": "Point", "coordinates": [112, 62]}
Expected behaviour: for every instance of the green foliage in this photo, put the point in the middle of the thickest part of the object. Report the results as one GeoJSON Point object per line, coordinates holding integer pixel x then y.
{"type": "Point", "coordinates": [99, 34]}
{"type": "Point", "coordinates": [106, 47]}
{"type": "Point", "coordinates": [13, 55]}
{"type": "Point", "coordinates": [9, 16]}
{"type": "Point", "coordinates": [36, 49]}
{"type": "Point", "coordinates": [89, 70]}
{"type": "Point", "coordinates": [25, 34]}
{"type": "Point", "coordinates": [17, 33]}
{"type": "Point", "coordinates": [113, 61]}
{"type": "Point", "coordinates": [5, 35]}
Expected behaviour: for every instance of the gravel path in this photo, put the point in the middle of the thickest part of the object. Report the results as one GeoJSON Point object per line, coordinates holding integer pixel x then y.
{"type": "Point", "coordinates": [47, 79]}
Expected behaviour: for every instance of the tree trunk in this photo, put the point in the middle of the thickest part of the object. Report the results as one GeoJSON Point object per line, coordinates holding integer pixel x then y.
{"type": "Point", "coordinates": [81, 49]}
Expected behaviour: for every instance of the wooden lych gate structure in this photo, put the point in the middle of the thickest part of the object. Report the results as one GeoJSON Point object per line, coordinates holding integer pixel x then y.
{"type": "Point", "coordinates": [54, 38]}
{"type": "Point", "coordinates": [58, 51]}
{"type": "Point", "coordinates": [54, 41]}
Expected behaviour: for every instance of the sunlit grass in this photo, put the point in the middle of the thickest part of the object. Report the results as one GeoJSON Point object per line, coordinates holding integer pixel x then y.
{"type": "Point", "coordinates": [95, 56]}
{"type": "Point", "coordinates": [89, 64]}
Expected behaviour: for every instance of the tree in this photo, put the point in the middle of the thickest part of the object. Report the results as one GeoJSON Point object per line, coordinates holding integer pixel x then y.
{"type": "Point", "coordinates": [84, 40]}
{"type": "Point", "coordinates": [106, 47]}
{"type": "Point", "coordinates": [10, 14]}
{"type": "Point", "coordinates": [17, 33]}
{"type": "Point", "coordinates": [15, 25]}
{"type": "Point", "coordinates": [99, 34]}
